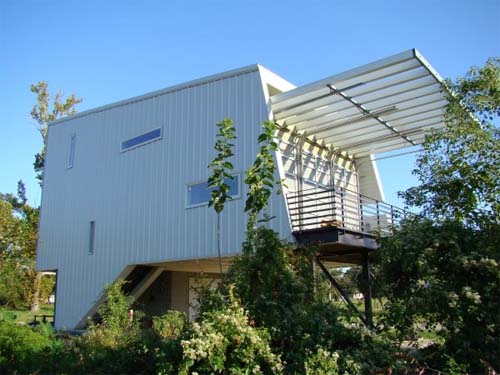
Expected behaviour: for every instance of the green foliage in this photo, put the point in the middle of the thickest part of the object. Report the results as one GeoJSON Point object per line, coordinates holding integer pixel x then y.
{"type": "Point", "coordinates": [226, 343]}
{"type": "Point", "coordinates": [8, 316]}
{"type": "Point", "coordinates": [459, 169]}
{"type": "Point", "coordinates": [322, 362]}
{"type": "Point", "coordinates": [44, 112]}
{"type": "Point", "coordinates": [442, 274]}
{"type": "Point", "coordinates": [221, 171]}
{"type": "Point", "coordinates": [170, 325]}
{"type": "Point", "coordinates": [260, 176]}
{"type": "Point", "coordinates": [209, 299]}
{"type": "Point", "coordinates": [445, 277]}
{"type": "Point", "coordinates": [169, 330]}
{"type": "Point", "coordinates": [276, 284]}
{"type": "Point", "coordinates": [18, 241]}
{"type": "Point", "coordinates": [23, 315]}
{"type": "Point", "coordinates": [114, 312]}
{"type": "Point", "coordinates": [221, 167]}
{"type": "Point", "coordinates": [15, 283]}
{"type": "Point", "coordinates": [115, 345]}
{"type": "Point", "coordinates": [25, 351]}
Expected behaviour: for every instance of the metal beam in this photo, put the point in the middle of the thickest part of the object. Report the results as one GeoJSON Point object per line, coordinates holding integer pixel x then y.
{"type": "Point", "coordinates": [367, 292]}
{"type": "Point", "coordinates": [368, 87]}
{"type": "Point", "coordinates": [344, 295]}
{"type": "Point", "coordinates": [395, 61]}
{"type": "Point", "coordinates": [369, 113]}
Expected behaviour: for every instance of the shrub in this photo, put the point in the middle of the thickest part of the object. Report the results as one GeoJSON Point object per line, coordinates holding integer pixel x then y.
{"type": "Point", "coordinates": [170, 325]}
{"type": "Point", "coordinates": [168, 330]}
{"type": "Point", "coordinates": [322, 362]}
{"type": "Point", "coordinates": [225, 342]}
{"type": "Point", "coordinates": [445, 275]}
{"type": "Point", "coordinates": [116, 345]}
{"type": "Point", "coordinates": [276, 283]}
{"type": "Point", "coordinates": [25, 351]}
{"type": "Point", "coordinates": [14, 280]}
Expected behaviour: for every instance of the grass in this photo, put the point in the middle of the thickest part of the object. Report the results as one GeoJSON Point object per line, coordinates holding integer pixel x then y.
{"type": "Point", "coordinates": [24, 315]}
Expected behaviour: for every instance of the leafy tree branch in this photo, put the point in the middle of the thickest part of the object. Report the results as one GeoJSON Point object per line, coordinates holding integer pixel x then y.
{"type": "Point", "coordinates": [221, 169]}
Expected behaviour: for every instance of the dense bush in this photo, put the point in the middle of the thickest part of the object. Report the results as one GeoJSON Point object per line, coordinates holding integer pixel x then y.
{"type": "Point", "coordinates": [27, 351]}
{"type": "Point", "coordinates": [321, 362]}
{"type": "Point", "coordinates": [276, 284]}
{"type": "Point", "coordinates": [445, 277]}
{"type": "Point", "coordinates": [225, 342]}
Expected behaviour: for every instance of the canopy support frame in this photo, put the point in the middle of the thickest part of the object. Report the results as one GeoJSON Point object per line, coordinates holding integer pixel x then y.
{"type": "Point", "coordinates": [368, 113]}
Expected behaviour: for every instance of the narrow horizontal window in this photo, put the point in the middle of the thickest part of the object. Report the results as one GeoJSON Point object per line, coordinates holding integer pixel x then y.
{"type": "Point", "coordinates": [92, 238]}
{"type": "Point", "coordinates": [142, 139]}
{"type": "Point", "coordinates": [199, 194]}
{"type": "Point", "coordinates": [71, 154]}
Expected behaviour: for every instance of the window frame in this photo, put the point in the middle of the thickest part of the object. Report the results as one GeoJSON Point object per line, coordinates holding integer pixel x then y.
{"type": "Point", "coordinates": [91, 248]}
{"type": "Point", "coordinates": [160, 137]}
{"type": "Point", "coordinates": [187, 205]}
{"type": "Point", "coordinates": [72, 150]}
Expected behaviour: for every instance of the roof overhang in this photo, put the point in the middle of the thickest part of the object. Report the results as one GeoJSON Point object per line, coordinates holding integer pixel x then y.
{"type": "Point", "coordinates": [382, 106]}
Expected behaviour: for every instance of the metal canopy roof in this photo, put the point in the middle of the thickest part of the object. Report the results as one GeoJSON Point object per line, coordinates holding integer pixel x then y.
{"type": "Point", "coordinates": [382, 106]}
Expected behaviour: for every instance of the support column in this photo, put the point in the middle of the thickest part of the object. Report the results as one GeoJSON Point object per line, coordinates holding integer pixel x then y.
{"type": "Point", "coordinates": [343, 294]}
{"type": "Point", "coordinates": [367, 292]}
{"type": "Point", "coordinates": [299, 144]}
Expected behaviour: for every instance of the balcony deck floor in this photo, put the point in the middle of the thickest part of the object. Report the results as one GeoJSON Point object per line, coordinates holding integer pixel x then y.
{"type": "Point", "coordinates": [338, 245]}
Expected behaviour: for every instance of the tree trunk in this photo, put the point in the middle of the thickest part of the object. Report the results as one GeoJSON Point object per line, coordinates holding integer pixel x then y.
{"type": "Point", "coordinates": [218, 245]}
{"type": "Point", "coordinates": [35, 301]}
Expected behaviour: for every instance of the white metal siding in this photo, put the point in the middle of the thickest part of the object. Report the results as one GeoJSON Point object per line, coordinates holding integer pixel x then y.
{"type": "Point", "coordinates": [137, 197]}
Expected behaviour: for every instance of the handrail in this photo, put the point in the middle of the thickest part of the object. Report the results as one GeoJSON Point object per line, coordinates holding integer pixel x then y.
{"type": "Point", "coordinates": [341, 208]}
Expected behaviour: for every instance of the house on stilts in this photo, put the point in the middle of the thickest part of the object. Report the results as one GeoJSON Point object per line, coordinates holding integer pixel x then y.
{"type": "Point", "coordinates": [125, 187]}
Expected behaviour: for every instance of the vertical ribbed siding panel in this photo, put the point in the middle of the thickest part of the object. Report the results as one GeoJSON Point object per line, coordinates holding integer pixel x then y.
{"type": "Point", "coordinates": [137, 197]}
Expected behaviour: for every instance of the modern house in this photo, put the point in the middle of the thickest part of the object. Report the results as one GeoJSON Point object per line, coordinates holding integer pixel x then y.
{"type": "Point", "coordinates": [125, 191]}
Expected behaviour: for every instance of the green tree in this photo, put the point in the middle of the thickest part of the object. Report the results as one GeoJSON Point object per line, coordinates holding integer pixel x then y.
{"type": "Point", "coordinates": [221, 172]}
{"type": "Point", "coordinates": [441, 271]}
{"type": "Point", "coordinates": [44, 112]}
{"type": "Point", "coordinates": [260, 176]}
{"type": "Point", "coordinates": [18, 239]}
{"type": "Point", "coordinates": [459, 168]}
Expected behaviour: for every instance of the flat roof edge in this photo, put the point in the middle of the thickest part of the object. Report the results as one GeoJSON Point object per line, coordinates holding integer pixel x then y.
{"type": "Point", "coordinates": [428, 66]}
{"type": "Point", "coordinates": [196, 82]}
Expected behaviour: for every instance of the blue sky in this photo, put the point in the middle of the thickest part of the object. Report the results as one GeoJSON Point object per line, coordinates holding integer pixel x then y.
{"type": "Point", "coordinates": [106, 51]}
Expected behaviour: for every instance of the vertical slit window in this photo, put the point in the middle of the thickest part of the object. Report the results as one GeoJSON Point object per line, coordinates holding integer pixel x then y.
{"type": "Point", "coordinates": [92, 238]}
{"type": "Point", "coordinates": [71, 154]}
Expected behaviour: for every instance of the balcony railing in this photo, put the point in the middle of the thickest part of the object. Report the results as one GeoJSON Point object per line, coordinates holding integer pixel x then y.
{"type": "Point", "coordinates": [341, 208]}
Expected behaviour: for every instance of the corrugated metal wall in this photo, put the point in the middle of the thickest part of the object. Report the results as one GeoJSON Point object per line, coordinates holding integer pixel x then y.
{"type": "Point", "coordinates": [137, 197]}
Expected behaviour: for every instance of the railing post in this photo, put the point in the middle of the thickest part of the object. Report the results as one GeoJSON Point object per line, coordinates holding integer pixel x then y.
{"type": "Point", "coordinates": [342, 206]}
{"type": "Point", "coordinates": [378, 216]}
{"type": "Point", "coordinates": [361, 219]}
{"type": "Point", "coordinates": [299, 209]}
{"type": "Point", "coordinates": [334, 218]}
{"type": "Point", "coordinates": [392, 215]}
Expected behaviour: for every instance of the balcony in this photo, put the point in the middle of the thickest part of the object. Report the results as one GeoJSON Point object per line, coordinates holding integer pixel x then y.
{"type": "Point", "coordinates": [340, 220]}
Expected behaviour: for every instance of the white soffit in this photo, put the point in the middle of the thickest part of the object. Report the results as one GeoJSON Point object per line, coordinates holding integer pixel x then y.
{"type": "Point", "coordinates": [382, 106]}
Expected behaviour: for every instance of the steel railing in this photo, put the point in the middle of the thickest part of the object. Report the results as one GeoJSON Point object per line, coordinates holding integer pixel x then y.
{"type": "Point", "coordinates": [341, 208]}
